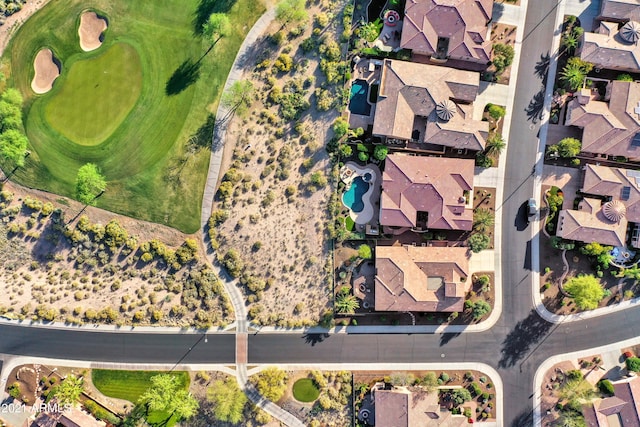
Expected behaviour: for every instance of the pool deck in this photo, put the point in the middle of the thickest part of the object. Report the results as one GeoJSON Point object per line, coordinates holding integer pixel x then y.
{"type": "Point", "coordinates": [362, 71]}
{"type": "Point", "coordinates": [370, 199]}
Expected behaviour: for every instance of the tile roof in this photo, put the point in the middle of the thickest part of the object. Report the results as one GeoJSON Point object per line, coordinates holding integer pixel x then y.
{"type": "Point", "coordinates": [606, 181]}
{"type": "Point", "coordinates": [609, 128]}
{"type": "Point", "coordinates": [435, 185]}
{"type": "Point", "coordinates": [407, 99]}
{"type": "Point", "coordinates": [463, 22]}
{"type": "Point", "coordinates": [588, 224]}
{"type": "Point", "coordinates": [620, 10]}
{"type": "Point", "coordinates": [624, 405]}
{"type": "Point", "coordinates": [418, 278]}
{"type": "Point", "coordinates": [403, 408]}
{"type": "Point", "coordinates": [606, 49]}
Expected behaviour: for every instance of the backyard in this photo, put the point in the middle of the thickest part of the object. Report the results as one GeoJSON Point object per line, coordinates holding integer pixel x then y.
{"type": "Point", "coordinates": [151, 75]}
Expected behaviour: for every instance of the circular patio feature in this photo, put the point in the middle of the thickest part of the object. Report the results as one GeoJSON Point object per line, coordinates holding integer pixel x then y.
{"type": "Point", "coordinates": [90, 31]}
{"type": "Point", "coordinates": [614, 210]}
{"type": "Point", "coordinates": [305, 390]}
{"type": "Point", "coordinates": [47, 69]}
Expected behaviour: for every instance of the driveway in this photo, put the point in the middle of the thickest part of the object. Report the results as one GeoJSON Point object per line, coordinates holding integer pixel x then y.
{"type": "Point", "coordinates": [567, 179]}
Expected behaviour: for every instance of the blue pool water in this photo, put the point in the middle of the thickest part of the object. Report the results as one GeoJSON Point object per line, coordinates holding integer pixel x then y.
{"type": "Point", "coordinates": [358, 100]}
{"type": "Point", "coordinates": [352, 198]}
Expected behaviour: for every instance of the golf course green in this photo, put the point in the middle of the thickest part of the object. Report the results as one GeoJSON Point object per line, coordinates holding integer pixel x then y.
{"type": "Point", "coordinates": [140, 106]}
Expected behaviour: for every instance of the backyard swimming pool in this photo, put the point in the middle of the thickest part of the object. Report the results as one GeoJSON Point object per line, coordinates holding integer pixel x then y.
{"type": "Point", "coordinates": [358, 99]}
{"type": "Point", "coordinates": [352, 198]}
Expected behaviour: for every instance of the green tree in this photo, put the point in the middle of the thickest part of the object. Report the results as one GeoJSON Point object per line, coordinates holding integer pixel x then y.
{"type": "Point", "coordinates": [271, 383]}
{"type": "Point", "coordinates": [460, 396]}
{"type": "Point", "coordinates": [166, 394]}
{"type": "Point", "coordinates": [624, 77]}
{"type": "Point", "coordinates": [480, 308]}
{"type": "Point", "coordinates": [239, 97]}
{"type": "Point", "coordinates": [216, 27]}
{"type": "Point", "coordinates": [340, 127]}
{"type": "Point", "coordinates": [569, 147]}
{"type": "Point", "coordinates": [574, 73]}
{"type": "Point", "coordinates": [429, 382]}
{"type": "Point", "coordinates": [380, 152]}
{"type": "Point", "coordinates": [89, 184]}
{"type": "Point", "coordinates": [69, 390]}
{"type": "Point", "coordinates": [345, 302]}
{"type": "Point", "coordinates": [291, 11]}
{"type": "Point", "coordinates": [633, 364]}
{"type": "Point", "coordinates": [228, 400]}
{"type": "Point", "coordinates": [370, 31]}
{"type": "Point", "coordinates": [345, 150]}
{"type": "Point", "coordinates": [483, 220]}
{"type": "Point", "coordinates": [586, 290]}
{"type": "Point", "coordinates": [502, 56]}
{"type": "Point", "coordinates": [569, 41]}
{"type": "Point", "coordinates": [496, 112]}
{"type": "Point", "coordinates": [478, 242]}
{"type": "Point", "coordinates": [364, 251]}
{"type": "Point", "coordinates": [13, 147]}
{"type": "Point", "coordinates": [495, 145]}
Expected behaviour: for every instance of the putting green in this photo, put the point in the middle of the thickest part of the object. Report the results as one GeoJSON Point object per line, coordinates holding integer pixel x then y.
{"type": "Point", "coordinates": [145, 122]}
{"type": "Point", "coordinates": [97, 95]}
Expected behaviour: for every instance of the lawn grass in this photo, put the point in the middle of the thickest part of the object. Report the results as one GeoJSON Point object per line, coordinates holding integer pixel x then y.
{"type": "Point", "coordinates": [305, 390]}
{"type": "Point", "coordinates": [129, 385]}
{"type": "Point", "coordinates": [96, 96]}
{"type": "Point", "coordinates": [155, 170]}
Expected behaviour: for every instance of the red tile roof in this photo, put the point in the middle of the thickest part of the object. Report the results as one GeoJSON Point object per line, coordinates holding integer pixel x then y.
{"type": "Point", "coordinates": [434, 185]}
{"type": "Point", "coordinates": [463, 22]}
{"type": "Point", "coordinates": [417, 278]}
{"type": "Point", "coordinates": [403, 408]}
{"type": "Point", "coordinates": [625, 405]}
{"type": "Point", "coordinates": [609, 128]}
{"type": "Point", "coordinates": [408, 96]}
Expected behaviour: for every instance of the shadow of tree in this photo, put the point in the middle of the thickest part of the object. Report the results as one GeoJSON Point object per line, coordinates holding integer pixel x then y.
{"type": "Point", "coordinates": [315, 338]}
{"type": "Point", "coordinates": [184, 76]}
{"type": "Point", "coordinates": [523, 419]}
{"type": "Point", "coordinates": [536, 107]}
{"type": "Point", "coordinates": [203, 136]}
{"type": "Point", "coordinates": [206, 8]}
{"type": "Point", "coordinates": [542, 68]}
{"type": "Point", "coordinates": [445, 338]}
{"type": "Point", "coordinates": [524, 335]}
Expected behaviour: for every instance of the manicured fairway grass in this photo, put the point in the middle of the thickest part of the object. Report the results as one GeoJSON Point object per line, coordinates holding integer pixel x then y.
{"type": "Point", "coordinates": [129, 385]}
{"type": "Point", "coordinates": [304, 390]}
{"type": "Point", "coordinates": [153, 168]}
{"type": "Point", "coordinates": [97, 95]}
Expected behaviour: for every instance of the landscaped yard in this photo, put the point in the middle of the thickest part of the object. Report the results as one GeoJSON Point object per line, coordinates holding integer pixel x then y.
{"type": "Point", "coordinates": [304, 390]}
{"type": "Point", "coordinates": [129, 385]}
{"type": "Point", "coordinates": [114, 107]}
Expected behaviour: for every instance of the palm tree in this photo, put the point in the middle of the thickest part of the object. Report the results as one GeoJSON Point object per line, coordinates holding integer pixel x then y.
{"type": "Point", "coordinates": [495, 145]}
{"type": "Point", "coordinates": [345, 302]}
{"type": "Point", "coordinates": [483, 219]}
{"type": "Point", "coordinates": [569, 42]}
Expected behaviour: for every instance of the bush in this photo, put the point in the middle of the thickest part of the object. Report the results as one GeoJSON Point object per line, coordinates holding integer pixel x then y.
{"type": "Point", "coordinates": [633, 364]}
{"type": "Point", "coordinates": [496, 112]}
{"type": "Point", "coordinates": [380, 152]}
{"type": "Point", "coordinates": [502, 56]}
{"type": "Point", "coordinates": [606, 387]}
{"type": "Point", "coordinates": [340, 127]}
{"type": "Point", "coordinates": [478, 242]}
{"type": "Point", "coordinates": [364, 251]}
{"type": "Point", "coordinates": [283, 63]}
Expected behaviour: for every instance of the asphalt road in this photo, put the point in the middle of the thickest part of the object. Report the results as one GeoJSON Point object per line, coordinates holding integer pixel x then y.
{"type": "Point", "coordinates": [523, 339]}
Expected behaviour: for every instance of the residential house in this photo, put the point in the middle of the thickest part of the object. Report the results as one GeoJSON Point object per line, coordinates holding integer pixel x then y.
{"type": "Point", "coordinates": [427, 193]}
{"type": "Point", "coordinates": [612, 200]}
{"type": "Point", "coordinates": [429, 106]}
{"type": "Point", "coordinates": [612, 46]}
{"type": "Point", "coordinates": [621, 11]}
{"type": "Point", "coordinates": [610, 127]}
{"type": "Point", "coordinates": [401, 407]}
{"type": "Point", "coordinates": [421, 278]}
{"type": "Point", "coordinates": [73, 417]}
{"type": "Point", "coordinates": [448, 29]}
{"type": "Point", "coordinates": [620, 410]}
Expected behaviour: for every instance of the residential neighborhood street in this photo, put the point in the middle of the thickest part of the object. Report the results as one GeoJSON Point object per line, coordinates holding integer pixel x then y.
{"type": "Point", "coordinates": [516, 346]}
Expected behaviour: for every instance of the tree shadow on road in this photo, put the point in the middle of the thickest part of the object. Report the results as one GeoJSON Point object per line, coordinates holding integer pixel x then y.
{"type": "Point", "coordinates": [542, 68]}
{"type": "Point", "coordinates": [315, 338]}
{"type": "Point", "coordinates": [524, 419]}
{"type": "Point", "coordinates": [536, 107]}
{"type": "Point", "coordinates": [526, 334]}
{"type": "Point", "coordinates": [445, 338]}
{"type": "Point", "coordinates": [184, 76]}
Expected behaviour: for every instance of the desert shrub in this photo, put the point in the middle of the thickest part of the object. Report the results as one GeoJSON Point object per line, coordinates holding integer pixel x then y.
{"type": "Point", "coordinates": [606, 387]}
{"type": "Point", "coordinates": [284, 62]}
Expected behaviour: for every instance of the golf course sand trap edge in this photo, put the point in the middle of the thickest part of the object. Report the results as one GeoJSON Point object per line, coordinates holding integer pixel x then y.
{"type": "Point", "coordinates": [91, 30]}
{"type": "Point", "coordinates": [47, 69]}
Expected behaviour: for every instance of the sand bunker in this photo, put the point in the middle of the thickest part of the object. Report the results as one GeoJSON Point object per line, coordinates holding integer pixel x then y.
{"type": "Point", "coordinates": [47, 69]}
{"type": "Point", "coordinates": [90, 31]}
